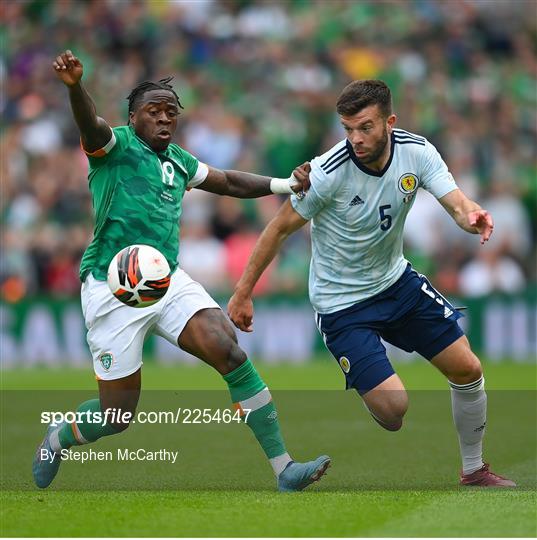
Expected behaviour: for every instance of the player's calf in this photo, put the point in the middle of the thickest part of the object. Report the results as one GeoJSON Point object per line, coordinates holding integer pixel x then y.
{"type": "Point", "coordinates": [468, 400]}
{"type": "Point", "coordinates": [47, 459]}
{"type": "Point", "coordinates": [209, 336]}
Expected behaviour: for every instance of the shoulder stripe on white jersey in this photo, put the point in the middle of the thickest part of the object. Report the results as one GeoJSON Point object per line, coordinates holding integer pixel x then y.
{"type": "Point", "coordinates": [403, 133]}
{"type": "Point", "coordinates": [408, 141]}
{"type": "Point", "coordinates": [334, 161]}
{"type": "Point", "coordinates": [335, 166]}
{"type": "Point", "coordinates": [401, 137]}
{"type": "Point", "coordinates": [335, 155]}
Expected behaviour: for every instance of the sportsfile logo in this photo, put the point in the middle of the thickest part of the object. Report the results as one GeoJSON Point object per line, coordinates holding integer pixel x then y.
{"type": "Point", "coordinates": [109, 416]}
{"type": "Point", "coordinates": [181, 415]}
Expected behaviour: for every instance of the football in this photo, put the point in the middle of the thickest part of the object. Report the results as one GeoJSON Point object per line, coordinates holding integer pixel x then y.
{"type": "Point", "coordinates": [139, 275]}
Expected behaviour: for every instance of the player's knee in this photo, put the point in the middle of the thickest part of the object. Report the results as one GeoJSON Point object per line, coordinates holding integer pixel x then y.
{"type": "Point", "coordinates": [396, 413]}
{"type": "Point", "coordinates": [399, 409]}
{"type": "Point", "coordinates": [391, 412]}
{"type": "Point", "coordinates": [468, 369]}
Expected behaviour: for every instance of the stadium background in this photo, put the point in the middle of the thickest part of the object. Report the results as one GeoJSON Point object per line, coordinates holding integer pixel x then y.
{"type": "Point", "coordinates": [259, 80]}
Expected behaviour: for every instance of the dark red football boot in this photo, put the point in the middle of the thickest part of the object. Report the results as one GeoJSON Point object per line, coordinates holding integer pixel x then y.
{"type": "Point", "coordinates": [484, 477]}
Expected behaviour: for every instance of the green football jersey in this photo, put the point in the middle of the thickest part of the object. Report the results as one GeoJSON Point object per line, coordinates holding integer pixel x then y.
{"type": "Point", "coordinates": [137, 195]}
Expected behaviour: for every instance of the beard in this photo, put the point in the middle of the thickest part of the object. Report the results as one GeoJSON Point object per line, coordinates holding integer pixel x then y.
{"type": "Point", "coordinates": [377, 151]}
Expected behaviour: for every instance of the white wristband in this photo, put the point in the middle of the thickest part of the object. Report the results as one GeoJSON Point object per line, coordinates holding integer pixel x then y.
{"type": "Point", "coordinates": [282, 185]}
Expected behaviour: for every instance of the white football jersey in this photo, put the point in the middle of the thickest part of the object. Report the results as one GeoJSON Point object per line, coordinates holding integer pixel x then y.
{"type": "Point", "coordinates": [357, 217]}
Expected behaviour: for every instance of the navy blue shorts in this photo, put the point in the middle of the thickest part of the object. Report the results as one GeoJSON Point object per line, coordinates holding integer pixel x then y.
{"type": "Point", "coordinates": [410, 314]}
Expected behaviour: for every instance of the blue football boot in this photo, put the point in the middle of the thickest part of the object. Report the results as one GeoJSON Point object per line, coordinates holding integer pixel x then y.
{"type": "Point", "coordinates": [297, 476]}
{"type": "Point", "coordinates": [45, 466]}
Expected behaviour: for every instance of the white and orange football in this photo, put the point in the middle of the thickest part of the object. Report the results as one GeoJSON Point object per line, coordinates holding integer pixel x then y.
{"type": "Point", "coordinates": [139, 275]}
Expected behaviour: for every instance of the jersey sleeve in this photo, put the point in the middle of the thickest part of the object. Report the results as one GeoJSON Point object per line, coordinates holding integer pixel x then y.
{"type": "Point", "coordinates": [196, 170]}
{"type": "Point", "coordinates": [317, 197]}
{"type": "Point", "coordinates": [118, 141]}
{"type": "Point", "coordinates": [435, 176]}
{"type": "Point", "coordinates": [199, 177]}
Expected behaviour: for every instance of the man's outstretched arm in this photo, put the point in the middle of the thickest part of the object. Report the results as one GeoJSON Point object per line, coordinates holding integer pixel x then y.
{"type": "Point", "coordinates": [240, 307]}
{"type": "Point", "coordinates": [468, 214]}
{"type": "Point", "coordinates": [95, 133]}
{"type": "Point", "coordinates": [246, 185]}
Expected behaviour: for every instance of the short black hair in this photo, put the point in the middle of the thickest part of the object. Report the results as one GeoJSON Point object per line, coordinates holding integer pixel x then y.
{"type": "Point", "coordinates": [137, 93]}
{"type": "Point", "coordinates": [358, 95]}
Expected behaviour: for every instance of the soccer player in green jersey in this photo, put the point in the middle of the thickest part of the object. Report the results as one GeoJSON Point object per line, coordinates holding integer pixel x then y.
{"type": "Point", "coordinates": [137, 178]}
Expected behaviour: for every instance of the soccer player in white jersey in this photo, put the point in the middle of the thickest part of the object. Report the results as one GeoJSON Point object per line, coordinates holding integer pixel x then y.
{"type": "Point", "coordinates": [361, 286]}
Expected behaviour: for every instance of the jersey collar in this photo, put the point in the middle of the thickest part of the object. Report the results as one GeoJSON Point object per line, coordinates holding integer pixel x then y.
{"type": "Point", "coordinates": [365, 169]}
{"type": "Point", "coordinates": [145, 145]}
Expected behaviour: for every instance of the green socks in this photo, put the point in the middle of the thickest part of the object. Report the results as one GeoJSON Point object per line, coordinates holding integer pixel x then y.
{"type": "Point", "coordinates": [248, 391]}
{"type": "Point", "coordinates": [75, 434]}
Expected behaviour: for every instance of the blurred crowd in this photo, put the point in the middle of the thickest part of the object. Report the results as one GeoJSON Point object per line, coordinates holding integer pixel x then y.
{"type": "Point", "coordinates": [258, 80]}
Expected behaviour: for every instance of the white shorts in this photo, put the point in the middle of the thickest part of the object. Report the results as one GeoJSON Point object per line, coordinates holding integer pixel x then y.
{"type": "Point", "coordinates": [116, 332]}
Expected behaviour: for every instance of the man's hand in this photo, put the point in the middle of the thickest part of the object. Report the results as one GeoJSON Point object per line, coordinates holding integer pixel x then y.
{"type": "Point", "coordinates": [240, 309]}
{"type": "Point", "coordinates": [302, 176]}
{"type": "Point", "coordinates": [468, 215]}
{"type": "Point", "coordinates": [481, 220]}
{"type": "Point", "coordinates": [68, 68]}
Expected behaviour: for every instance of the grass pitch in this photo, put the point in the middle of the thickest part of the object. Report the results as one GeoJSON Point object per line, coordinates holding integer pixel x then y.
{"type": "Point", "coordinates": [380, 484]}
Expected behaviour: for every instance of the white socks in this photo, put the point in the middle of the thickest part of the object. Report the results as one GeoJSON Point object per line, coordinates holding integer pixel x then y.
{"type": "Point", "coordinates": [469, 405]}
{"type": "Point", "coordinates": [54, 441]}
{"type": "Point", "coordinates": [279, 463]}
